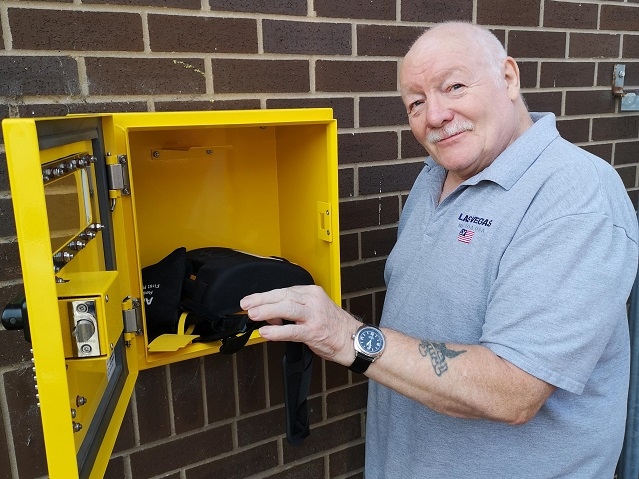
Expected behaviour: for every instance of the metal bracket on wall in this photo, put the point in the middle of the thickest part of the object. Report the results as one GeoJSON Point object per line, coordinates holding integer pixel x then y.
{"type": "Point", "coordinates": [629, 100]}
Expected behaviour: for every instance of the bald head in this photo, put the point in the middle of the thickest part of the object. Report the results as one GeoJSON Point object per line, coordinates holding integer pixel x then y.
{"type": "Point", "coordinates": [473, 39]}
{"type": "Point", "coordinates": [462, 96]}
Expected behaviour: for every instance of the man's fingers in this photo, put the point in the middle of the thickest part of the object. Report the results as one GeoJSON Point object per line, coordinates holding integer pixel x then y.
{"type": "Point", "coordinates": [279, 303]}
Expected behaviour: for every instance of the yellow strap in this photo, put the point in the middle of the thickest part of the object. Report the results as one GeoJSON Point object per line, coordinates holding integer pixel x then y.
{"type": "Point", "coordinates": [181, 322]}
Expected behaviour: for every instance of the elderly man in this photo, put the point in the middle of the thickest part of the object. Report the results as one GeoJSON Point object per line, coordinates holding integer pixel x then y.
{"type": "Point", "coordinates": [503, 346]}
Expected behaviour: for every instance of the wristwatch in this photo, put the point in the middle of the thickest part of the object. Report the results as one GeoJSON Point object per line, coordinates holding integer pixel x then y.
{"type": "Point", "coordinates": [369, 343]}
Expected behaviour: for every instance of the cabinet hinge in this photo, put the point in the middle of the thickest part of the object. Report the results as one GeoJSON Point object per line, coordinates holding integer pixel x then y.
{"type": "Point", "coordinates": [119, 176]}
{"type": "Point", "coordinates": [132, 316]}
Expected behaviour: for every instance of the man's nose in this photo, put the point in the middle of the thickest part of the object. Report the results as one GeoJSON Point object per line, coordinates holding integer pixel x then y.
{"type": "Point", "coordinates": [438, 111]}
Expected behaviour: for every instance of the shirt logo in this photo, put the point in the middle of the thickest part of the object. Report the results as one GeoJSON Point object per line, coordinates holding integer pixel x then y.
{"type": "Point", "coordinates": [465, 236]}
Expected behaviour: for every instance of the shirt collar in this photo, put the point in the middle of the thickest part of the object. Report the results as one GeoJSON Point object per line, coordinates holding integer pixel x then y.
{"type": "Point", "coordinates": [513, 162]}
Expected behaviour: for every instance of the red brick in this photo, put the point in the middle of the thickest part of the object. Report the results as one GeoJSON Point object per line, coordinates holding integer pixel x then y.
{"type": "Point", "coordinates": [145, 76]}
{"type": "Point", "coordinates": [602, 150]}
{"type": "Point", "coordinates": [174, 33]}
{"type": "Point", "coordinates": [126, 434]}
{"type": "Point", "coordinates": [343, 108]}
{"type": "Point", "coordinates": [544, 101]}
{"type": "Point", "coordinates": [347, 460]}
{"type": "Point", "coordinates": [61, 109]}
{"type": "Point", "coordinates": [436, 10]}
{"type": "Point", "coordinates": [38, 76]}
{"type": "Point", "coordinates": [361, 307]}
{"type": "Point", "coordinates": [220, 387]}
{"type": "Point", "coordinates": [536, 44]}
{"type": "Point", "coordinates": [336, 375]}
{"type": "Point", "coordinates": [589, 102]}
{"type": "Point", "coordinates": [382, 111]}
{"type": "Point", "coordinates": [192, 4]}
{"type": "Point", "coordinates": [355, 76]}
{"type": "Point", "coordinates": [4, 174]}
{"type": "Point", "coordinates": [606, 70]}
{"type": "Point", "coordinates": [367, 147]}
{"type": "Point", "coordinates": [74, 30]}
{"type": "Point", "coordinates": [619, 17]}
{"type": "Point", "coordinates": [281, 7]}
{"type": "Point", "coordinates": [384, 40]}
{"type": "Point", "coordinates": [593, 45]}
{"type": "Point", "coordinates": [187, 395]}
{"type": "Point", "coordinates": [377, 243]}
{"type": "Point", "coordinates": [238, 466]}
{"type": "Point", "coordinates": [260, 427]}
{"type": "Point", "coordinates": [575, 131]}
{"type": "Point", "coordinates": [388, 178]}
{"type": "Point", "coordinates": [615, 128]}
{"type": "Point", "coordinates": [379, 303]}
{"type": "Point", "coordinates": [349, 247]}
{"type": "Point", "coordinates": [309, 470]}
{"type": "Point", "coordinates": [369, 212]}
{"type": "Point", "coordinates": [555, 75]}
{"type": "Point", "coordinates": [560, 14]}
{"type": "Point", "coordinates": [411, 148]}
{"type": "Point", "coordinates": [4, 113]}
{"type": "Point", "coordinates": [10, 261]}
{"type": "Point", "coordinates": [628, 175]}
{"type": "Point", "coordinates": [308, 38]}
{"type": "Point", "coordinates": [507, 12]}
{"type": "Point", "coordinates": [207, 105]}
{"type": "Point", "coordinates": [15, 349]}
{"type": "Point", "coordinates": [25, 421]}
{"type": "Point", "coordinates": [630, 46]}
{"type": "Point", "coordinates": [182, 451]}
{"type": "Point", "coordinates": [7, 225]}
{"type": "Point", "coordinates": [344, 401]}
{"type": "Point", "coordinates": [356, 9]}
{"type": "Point", "coordinates": [115, 469]}
{"type": "Point", "coordinates": [346, 181]}
{"type": "Point", "coordinates": [251, 385]}
{"type": "Point", "coordinates": [261, 76]}
{"type": "Point", "coordinates": [626, 152]}
{"type": "Point", "coordinates": [326, 437]}
{"type": "Point", "coordinates": [528, 74]}
{"type": "Point", "coordinates": [152, 400]}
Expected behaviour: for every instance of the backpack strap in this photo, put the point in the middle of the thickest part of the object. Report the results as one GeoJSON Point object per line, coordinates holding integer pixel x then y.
{"type": "Point", "coordinates": [297, 371]}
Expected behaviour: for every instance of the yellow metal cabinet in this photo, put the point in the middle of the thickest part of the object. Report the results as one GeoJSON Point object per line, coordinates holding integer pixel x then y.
{"type": "Point", "coordinates": [98, 197]}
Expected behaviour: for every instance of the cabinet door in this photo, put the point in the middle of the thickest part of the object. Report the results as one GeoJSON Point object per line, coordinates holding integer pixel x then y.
{"type": "Point", "coordinates": [75, 302]}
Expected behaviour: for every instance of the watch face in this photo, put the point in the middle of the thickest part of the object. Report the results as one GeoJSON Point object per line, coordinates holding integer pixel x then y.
{"type": "Point", "coordinates": [370, 341]}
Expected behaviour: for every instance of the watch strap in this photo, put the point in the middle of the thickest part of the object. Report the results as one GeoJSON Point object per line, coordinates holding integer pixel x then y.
{"type": "Point", "coordinates": [361, 363]}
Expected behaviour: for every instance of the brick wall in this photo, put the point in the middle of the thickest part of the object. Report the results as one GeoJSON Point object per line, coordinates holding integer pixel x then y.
{"type": "Point", "coordinates": [222, 416]}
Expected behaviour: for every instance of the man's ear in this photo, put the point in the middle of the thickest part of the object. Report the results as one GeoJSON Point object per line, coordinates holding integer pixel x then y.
{"type": "Point", "coordinates": [511, 75]}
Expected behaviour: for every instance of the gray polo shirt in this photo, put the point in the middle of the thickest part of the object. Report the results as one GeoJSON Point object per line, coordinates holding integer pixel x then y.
{"type": "Point", "coordinates": [534, 258]}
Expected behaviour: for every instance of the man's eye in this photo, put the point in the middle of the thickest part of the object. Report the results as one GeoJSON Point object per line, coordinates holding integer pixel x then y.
{"type": "Point", "coordinates": [416, 104]}
{"type": "Point", "coordinates": [456, 86]}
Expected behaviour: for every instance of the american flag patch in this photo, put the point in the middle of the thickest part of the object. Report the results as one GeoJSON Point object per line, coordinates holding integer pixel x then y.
{"type": "Point", "coordinates": [465, 235]}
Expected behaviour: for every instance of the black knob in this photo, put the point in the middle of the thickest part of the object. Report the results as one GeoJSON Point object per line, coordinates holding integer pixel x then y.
{"type": "Point", "coordinates": [15, 316]}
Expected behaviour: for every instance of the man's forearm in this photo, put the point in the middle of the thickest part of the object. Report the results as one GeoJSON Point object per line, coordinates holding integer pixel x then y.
{"type": "Point", "coordinates": [459, 380]}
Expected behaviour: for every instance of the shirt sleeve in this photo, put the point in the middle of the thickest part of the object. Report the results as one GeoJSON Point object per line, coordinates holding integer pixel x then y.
{"type": "Point", "coordinates": [560, 292]}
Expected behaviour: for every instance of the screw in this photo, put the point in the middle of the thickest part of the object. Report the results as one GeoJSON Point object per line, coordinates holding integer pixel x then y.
{"type": "Point", "coordinates": [156, 154]}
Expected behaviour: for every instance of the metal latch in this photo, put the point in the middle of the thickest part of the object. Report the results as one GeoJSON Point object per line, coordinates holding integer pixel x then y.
{"type": "Point", "coordinates": [119, 176]}
{"type": "Point", "coordinates": [324, 221]}
{"type": "Point", "coordinates": [132, 315]}
{"type": "Point", "coordinates": [629, 100]}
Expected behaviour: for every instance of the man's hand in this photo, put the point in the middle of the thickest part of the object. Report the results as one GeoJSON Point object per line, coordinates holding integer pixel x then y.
{"type": "Point", "coordinates": [316, 320]}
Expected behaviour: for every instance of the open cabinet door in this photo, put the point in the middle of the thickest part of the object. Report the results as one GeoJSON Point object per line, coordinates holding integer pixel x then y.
{"type": "Point", "coordinates": [78, 302]}
{"type": "Point", "coordinates": [97, 198]}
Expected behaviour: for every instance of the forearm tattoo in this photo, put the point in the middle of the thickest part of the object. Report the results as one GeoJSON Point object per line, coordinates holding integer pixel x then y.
{"type": "Point", "coordinates": [438, 352]}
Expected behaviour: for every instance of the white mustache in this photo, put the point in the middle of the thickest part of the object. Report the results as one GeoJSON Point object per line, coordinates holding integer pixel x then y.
{"type": "Point", "coordinates": [450, 129]}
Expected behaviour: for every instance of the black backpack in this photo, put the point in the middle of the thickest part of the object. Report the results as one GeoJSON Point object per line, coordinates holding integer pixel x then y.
{"type": "Point", "coordinates": [206, 285]}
